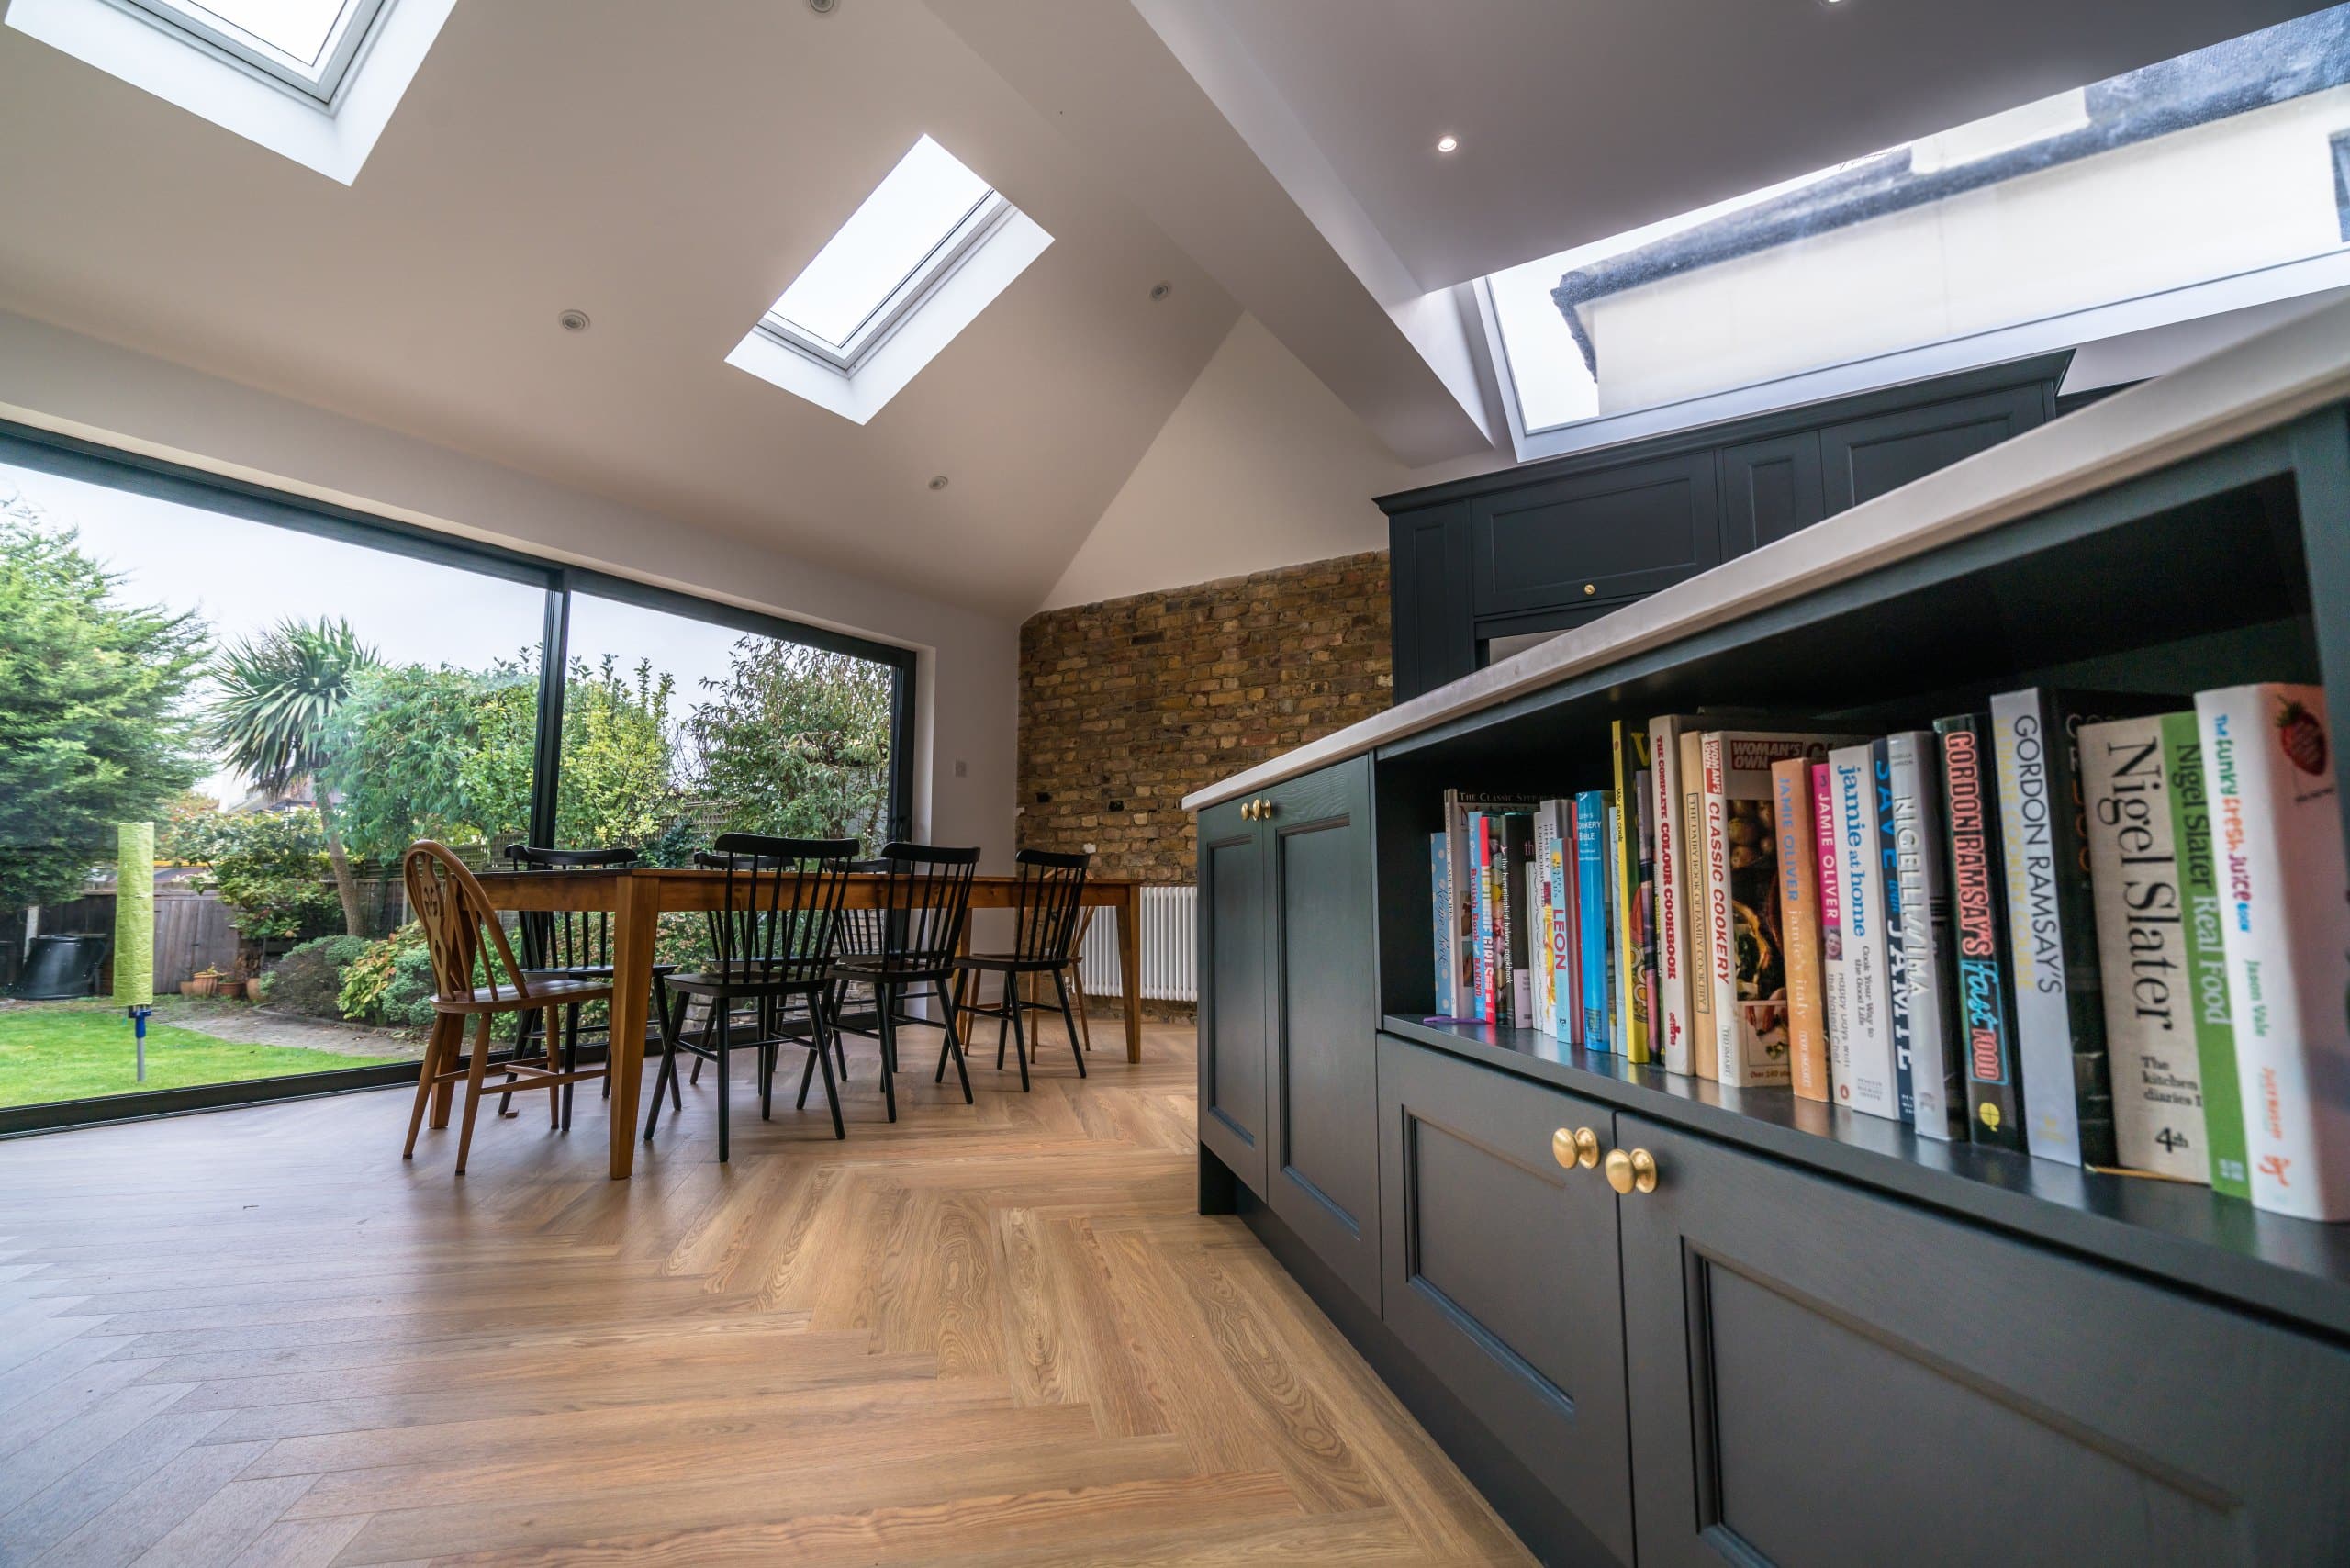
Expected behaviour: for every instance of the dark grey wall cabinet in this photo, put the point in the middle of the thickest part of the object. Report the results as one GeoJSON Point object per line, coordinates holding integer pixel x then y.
{"type": "Point", "coordinates": [1502, 1274]}
{"type": "Point", "coordinates": [1819, 1375]}
{"type": "Point", "coordinates": [1620, 532]}
{"type": "Point", "coordinates": [1288, 1015]}
{"type": "Point", "coordinates": [1864, 458]}
{"type": "Point", "coordinates": [1538, 548]}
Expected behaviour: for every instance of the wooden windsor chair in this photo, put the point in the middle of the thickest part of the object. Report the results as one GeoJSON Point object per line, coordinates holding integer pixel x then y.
{"type": "Point", "coordinates": [469, 952]}
{"type": "Point", "coordinates": [927, 895]}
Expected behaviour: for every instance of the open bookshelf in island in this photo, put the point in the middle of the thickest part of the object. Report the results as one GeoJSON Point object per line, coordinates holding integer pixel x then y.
{"type": "Point", "coordinates": [1658, 1319]}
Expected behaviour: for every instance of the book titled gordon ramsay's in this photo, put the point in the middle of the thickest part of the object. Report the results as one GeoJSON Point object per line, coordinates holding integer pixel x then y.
{"type": "Point", "coordinates": [1978, 918]}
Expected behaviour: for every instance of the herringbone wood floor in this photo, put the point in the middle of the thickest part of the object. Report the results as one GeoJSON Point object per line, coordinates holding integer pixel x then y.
{"type": "Point", "coordinates": [985, 1336]}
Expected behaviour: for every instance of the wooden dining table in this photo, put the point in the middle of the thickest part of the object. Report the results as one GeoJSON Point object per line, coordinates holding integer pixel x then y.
{"type": "Point", "coordinates": [637, 897]}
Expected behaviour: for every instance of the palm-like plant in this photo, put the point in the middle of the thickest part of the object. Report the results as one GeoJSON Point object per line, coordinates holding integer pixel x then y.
{"type": "Point", "coordinates": [278, 696]}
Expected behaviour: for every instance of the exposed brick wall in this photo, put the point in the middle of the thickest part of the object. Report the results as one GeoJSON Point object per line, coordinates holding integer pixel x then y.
{"type": "Point", "coordinates": [1128, 705]}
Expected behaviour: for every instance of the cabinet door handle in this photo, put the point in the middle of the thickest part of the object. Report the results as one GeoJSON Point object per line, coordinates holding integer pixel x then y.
{"type": "Point", "coordinates": [1630, 1171]}
{"type": "Point", "coordinates": [1247, 811]}
{"type": "Point", "coordinates": [1579, 1147]}
{"type": "Point", "coordinates": [1264, 810]}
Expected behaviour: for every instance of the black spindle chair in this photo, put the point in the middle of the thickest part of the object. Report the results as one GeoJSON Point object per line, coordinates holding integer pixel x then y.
{"type": "Point", "coordinates": [926, 897]}
{"type": "Point", "coordinates": [1047, 908]}
{"type": "Point", "coordinates": [571, 945]}
{"type": "Point", "coordinates": [771, 940]}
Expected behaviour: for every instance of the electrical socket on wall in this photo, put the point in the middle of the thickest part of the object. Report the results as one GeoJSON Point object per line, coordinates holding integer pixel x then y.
{"type": "Point", "coordinates": [962, 768]}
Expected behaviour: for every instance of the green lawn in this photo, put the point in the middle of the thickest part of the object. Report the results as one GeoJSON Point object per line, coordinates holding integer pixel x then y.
{"type": "Point", "coordinates": [74, 1052]}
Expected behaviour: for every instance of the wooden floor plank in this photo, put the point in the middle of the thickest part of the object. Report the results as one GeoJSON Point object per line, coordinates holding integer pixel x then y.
{"type": "Point", "coordinates": [987, 1335]}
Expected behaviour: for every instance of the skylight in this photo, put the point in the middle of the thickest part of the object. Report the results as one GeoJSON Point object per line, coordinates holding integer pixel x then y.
{"type": "Point", "coordinates": [2197, 185]}
{"type": "Point", "coordinates": [315, 81]}
{"type": "Point", "coordinates": [308, 44]}
{"type": "Point", "coordinates": [915, 264]}
{"type": "Point", "coordinates": [919, 221]}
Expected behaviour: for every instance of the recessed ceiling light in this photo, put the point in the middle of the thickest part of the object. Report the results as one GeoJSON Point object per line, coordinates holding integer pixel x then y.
{"type": "Point", "coordinates": [1159, 291]}
{"type": "Point", "coordinates": [573, 320]}
{"type": "Point", "coordinates": [1448, 144]}
{"type": "Point", "coordinates": [938, 481]}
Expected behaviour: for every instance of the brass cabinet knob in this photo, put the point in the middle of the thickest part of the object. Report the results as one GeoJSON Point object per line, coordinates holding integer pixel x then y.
{"type": "Point", "coordinates": [1248, 810]}
{"type": "Point", "coordinates": [1264, 808]}
{"type": "Point", "coordinates": [1579, 1147]}
{"type": "Point", "coordinates": [1630, 1171]}
{"type": "Point", "coordinates": [1590, 588]}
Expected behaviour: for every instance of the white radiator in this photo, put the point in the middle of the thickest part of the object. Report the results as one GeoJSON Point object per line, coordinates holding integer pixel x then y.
{"type": "Point", "coordinates": [1169, 937]}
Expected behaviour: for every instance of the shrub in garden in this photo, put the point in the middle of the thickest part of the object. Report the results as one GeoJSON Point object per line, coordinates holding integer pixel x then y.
{"type": "Point", "coordinates": [391, 982]}
{"type": "Point", "coordinates": [310, 978]}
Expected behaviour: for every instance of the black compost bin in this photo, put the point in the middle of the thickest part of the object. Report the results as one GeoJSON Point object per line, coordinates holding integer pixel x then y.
{"type": "Point", "coordinates": [62, 967]}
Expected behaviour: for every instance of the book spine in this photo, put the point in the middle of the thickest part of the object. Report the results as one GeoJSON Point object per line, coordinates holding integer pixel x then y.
{"type": "Point", "coordinates": [1971, 821]}
{"type": "Point", "coordinates": [1887, 883]}
{"type": "Point", "coordinates": [2060, 1020]}
{"type": "Point", "coordinates": [1545, 1018]}
{"type": "Point", "coordinates": [1481, 826]}
{"type": "Point", "coordinates": [1517, 859]}
{"type": "Point", "coordinates": [1671, 919]}
{"type": "Point", "coordinates": [1440, 919]}
{"type": "Point", "coordinates": [1567, 951]}
{"type": "Point", "coordinates": [1798, 891]}
{"type": "Point", "coordinates": [1591, 825]}
{"type": "Point", "coordinates": [1704, 1059]}
{"type": "Point", "coordinates": [1872, 1087]}
{"type": "Point", "coordinates": [1630, 750]}
{"type": "Point", "coordinates": [1835, 991]}
{"type": "Point", "coordinates": [1936, 1079]}
{"type": "Point", "coordinates": [1644, 906]}
{"type": "Point", "coordinates": [2206, 957]}
{"type": "Point", "coordinates": [2267, 764]}
{"type": "Point", "coordinates": [2141, 951]}
{"type": "Point", "coordinates": [1718, 945]}
{"type": "Point", "coordinates": [1613, 904]}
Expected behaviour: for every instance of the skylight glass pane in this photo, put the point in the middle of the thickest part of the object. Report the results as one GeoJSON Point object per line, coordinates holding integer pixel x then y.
{"type": "Point", "coordinates": [2226, 162]}
{"type": "Point", "coordinates": [908, 216]}
{"type": "Point", "coordinates": [298, 29]}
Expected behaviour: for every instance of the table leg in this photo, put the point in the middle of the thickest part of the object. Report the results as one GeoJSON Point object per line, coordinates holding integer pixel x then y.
{"type": "Point", "coordinates": [633, 925]}
{"type": "Point", "coordinates": [1130, 965]}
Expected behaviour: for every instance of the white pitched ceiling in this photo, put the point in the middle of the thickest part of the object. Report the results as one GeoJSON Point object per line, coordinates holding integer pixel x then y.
{"type": "Point", "coordinates": [668, 170]}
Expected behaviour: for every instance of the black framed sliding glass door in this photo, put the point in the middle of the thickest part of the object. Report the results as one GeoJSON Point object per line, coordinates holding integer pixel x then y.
{"type": "Point", "coordinates": [287, 694]}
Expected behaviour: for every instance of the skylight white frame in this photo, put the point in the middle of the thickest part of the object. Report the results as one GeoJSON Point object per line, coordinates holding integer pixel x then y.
{"type": "Point", "coordinates": [923, 280]}
{"type": "Point", "coordinates": [346, 41]}
{"type": "Point", "coordinates": [173, 63]}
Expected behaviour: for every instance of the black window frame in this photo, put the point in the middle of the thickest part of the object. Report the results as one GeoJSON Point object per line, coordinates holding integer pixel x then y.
{"type": "Point", "coordinates": [72, 457]}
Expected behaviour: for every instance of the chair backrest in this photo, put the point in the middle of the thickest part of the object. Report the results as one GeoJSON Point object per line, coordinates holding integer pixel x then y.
{"type": "Point", "coordinates": [461, 928]}
{"type": "Point", "coordinates": [928, 896]}
{"type": "Point", "coordinates": [567, 939]}
{"type": "Point", "coordinates": [862, 929]}
{"type": "Point", "coordinates": [1051, 895]}
{"type": "Point", "coordinates": [780, 920]}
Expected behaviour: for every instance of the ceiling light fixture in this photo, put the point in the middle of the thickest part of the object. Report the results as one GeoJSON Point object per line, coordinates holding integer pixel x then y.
{"type": "Point", "coordinates": [1159, 291]}
{"type": "Point", "coordinates": [938, 481]}
{"type": "Point", "coordinates": [1448, 144]}
{"type": "Point", "coordinates": [573, 320]}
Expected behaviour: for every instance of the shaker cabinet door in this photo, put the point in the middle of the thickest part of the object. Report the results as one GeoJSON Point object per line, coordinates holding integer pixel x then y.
{"type": "Point", "coordinates": [1821, 1376]}
{"type": "Point", "coordinates": [1234, 1097]}
{"type": "Point", "coordinates": [1500, 1271]}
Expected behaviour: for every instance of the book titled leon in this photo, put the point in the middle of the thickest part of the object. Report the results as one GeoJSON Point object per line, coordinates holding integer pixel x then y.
{"type": "Point", "coordinates": [1738, 910]}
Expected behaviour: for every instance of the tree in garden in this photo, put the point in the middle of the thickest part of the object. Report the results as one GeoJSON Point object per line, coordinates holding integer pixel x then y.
{"type": "Point", "coordinates": [92, 728]}
{"type": "Point", "coordinates": [272, 720]}
{"type": "Point", "coordinates": [268, 867]}
{"type": "Point", "coordinates": [794, 740]}
{"type": "Point", "coordinates": [448, 754]}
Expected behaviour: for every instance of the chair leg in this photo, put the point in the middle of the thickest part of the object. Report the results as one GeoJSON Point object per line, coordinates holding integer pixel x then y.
{"type": "Point", "coordinates": [1019, 1034]}
{"type": "Point", "coordinates": [522, 1026]}
{"type": "Point", "coordinates": [954, 1041]}
{"type": "Point", "coordinates": [435, 1048]}
{"type": "Point", "coordinates": [474, 1070]}
{"type": "Point", "coordinates": [888, 1050]}
{"type": "Point", "coordinates": [1070, 1019]}
{"type": "Point", "coordinates": [723, 1017]}
{"type": "Point", "coordinates": [669, 1073]}
{"type": "Point", "coordinates": [556, 1055]}
{"type": "Point", "coordinates": [1077, 987]}
{"type": "Point", "coordinates": [570, 1057]}
{"type": "Point", "coordinates": [999, 1024]}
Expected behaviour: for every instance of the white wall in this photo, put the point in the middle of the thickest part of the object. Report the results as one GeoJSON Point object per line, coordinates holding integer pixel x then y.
{"type": "Point", "coordinates": [968, 661]}
{"type": "Point", "coordinates": [1260, 465]}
